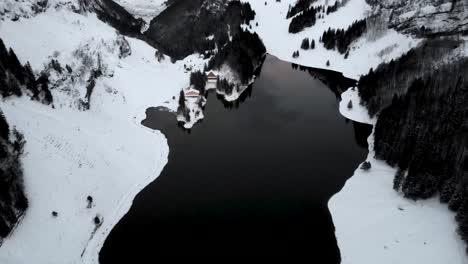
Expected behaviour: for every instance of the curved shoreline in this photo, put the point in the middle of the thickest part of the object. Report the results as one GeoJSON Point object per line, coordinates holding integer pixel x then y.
{"type": "Point", "coordinates": [126, 201]}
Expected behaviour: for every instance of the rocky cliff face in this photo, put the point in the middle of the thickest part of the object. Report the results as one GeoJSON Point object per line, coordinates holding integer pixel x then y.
{"type": "Point", "coordinates": [425, 17]}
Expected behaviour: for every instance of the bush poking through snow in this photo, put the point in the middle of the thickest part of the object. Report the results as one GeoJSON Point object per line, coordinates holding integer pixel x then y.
{"type": "Point", "coordinates": [398, 180]}
{"type": "Point", "coordinates": [366, 166]}
{"type": "Point", "coordinates": [350, 105]}
{"type": "Point", "coordinates": [295, 54]}
{"type": "Point", "coordinates": [159, 55]}
{"type": "Point", "coordinates": [305, 45]}
{"type": "Point", "coordinates": [89, 199]}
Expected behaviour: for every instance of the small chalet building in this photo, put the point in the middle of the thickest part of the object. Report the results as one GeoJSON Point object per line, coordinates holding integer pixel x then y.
{"type": "Point", "coordinates": [192, 93]}
{"type": "Point", "coordinates": [212, 77]}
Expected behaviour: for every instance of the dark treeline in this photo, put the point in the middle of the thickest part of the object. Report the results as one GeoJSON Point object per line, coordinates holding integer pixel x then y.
{"type": "Point", "coordinates": [425, 134]}
{"type": "Point", "coordinates": [13, 201]}
{"type": "Point", "coordinates": [198, 80]}
{"type": "Point", "coordinates": [334, 80]}
{"type": "Point", "coordinates": [307, 15]}
{"type": "Point", "coordinates": [340, 39]}
{"type": "Point", "coordinates": [423, 124]}
{"type": "Point", "coordinates": [300, 6]}
{"type": "Point", "coordinates": [243, 55]}
{"type": "Point", "coordinates": [187, 27]}
{"type": "Point", "coordinates": [16, 78]}
{"type": "Point", "coordinates": [306, 19]}
{"type": "Point", "coordinates": [379, 86]}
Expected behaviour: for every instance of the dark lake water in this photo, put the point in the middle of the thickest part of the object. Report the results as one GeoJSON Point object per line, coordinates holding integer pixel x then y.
{"type": "Point", "coordinates": [252, 181]}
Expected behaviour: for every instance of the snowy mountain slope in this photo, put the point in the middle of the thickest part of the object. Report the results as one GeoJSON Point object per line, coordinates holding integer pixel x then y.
{"type": "Point", "coordinates": [144, 9]}
{"type": "Point", "coordinates": [17, 9]}
{"type": "Point", "coordinates": [103, 152]}
{"type": "Point", "coordinates": [273, 29]}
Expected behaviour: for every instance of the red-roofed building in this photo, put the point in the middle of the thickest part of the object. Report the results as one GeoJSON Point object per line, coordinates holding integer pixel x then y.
{"type": "Point", "coordinates": [212, 77]}
{"type": "Point", "coordinates": [192, 93]}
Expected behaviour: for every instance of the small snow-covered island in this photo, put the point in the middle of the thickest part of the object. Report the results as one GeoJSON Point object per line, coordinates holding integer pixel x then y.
{"type": "Point", "coordinates": [334, 131]}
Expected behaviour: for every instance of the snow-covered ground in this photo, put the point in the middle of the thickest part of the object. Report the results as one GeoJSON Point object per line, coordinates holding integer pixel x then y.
{"type": "Point", "coordinates": [375, 224]}
{"type": "Point", "coordinates": [103, 152]}
{"type": "Point", "coordinates": [273, 29]}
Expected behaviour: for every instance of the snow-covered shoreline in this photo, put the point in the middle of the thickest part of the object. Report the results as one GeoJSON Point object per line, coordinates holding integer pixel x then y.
{"type": "Point", "coordinates": [375, 224]}
{"type": "Point", "coordinates": [365, 54]}
{"type": "Point", "coordinates": [103, 152]}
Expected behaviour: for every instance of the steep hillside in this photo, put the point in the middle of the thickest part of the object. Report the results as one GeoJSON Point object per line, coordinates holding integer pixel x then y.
{"type": "Point", "coordinates": [199, 26]}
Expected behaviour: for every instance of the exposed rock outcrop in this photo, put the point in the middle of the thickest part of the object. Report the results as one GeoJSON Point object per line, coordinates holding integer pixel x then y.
{"type": "Point", "coordinates": [425, 17]}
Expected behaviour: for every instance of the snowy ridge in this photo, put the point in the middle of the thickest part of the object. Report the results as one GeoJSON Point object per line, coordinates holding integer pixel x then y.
{"type": "Point", "coordinates": [273, 29]}
{"type": "Point", "coordinates": [103, 152]}
{"type": "Point", "coordinates": [426, 17]}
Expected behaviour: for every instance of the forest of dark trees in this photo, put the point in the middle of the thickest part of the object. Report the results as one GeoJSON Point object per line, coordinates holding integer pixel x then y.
{"type": "Point", "coordinates": [306, 19]}
{"type": "Point", "coordinates": [243, 55]}
{"type": "Point", "coordinates": [198, 80]}
{"type": "Point", "coordinates": [300, 6]}
{"type": "Point", "coordinates": [423, 124]}
{"type": "Point", "coordinates": [184, 27]}
{"type": "Point", "coordinates": [13, 202]}
{"type": "Point", "coordinates": [305, 15]}
{"type": "Point", "coordinates": [340, 39]}
{"type": "Point", "coordinates": [379, 86]}
{"type": "Point", "coordinates": [16, 78]}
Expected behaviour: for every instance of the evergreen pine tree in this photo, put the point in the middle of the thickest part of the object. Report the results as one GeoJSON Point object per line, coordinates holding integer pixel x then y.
{"type": "Point", "coordinates": [398, 179]}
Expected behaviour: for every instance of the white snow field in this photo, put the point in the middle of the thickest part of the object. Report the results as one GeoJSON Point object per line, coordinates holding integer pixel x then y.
{"type": "Point", "coordinates": [273, 29]}
{"type": "Point", "coordinates": [375, 224]}
{"type": "Point", "coordinates": [103, 152]}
